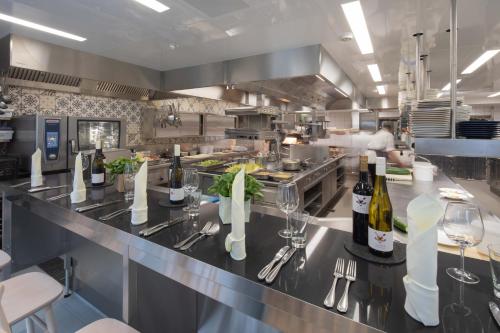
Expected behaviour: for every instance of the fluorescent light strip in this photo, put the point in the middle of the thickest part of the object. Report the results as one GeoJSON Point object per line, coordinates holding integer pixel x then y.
{"type": "Point", "coordinates": [320, 77]}
{"type": "Point", "coordinates": [448, 85]}
{"type": "Point", "coordinates": [495, 94]}
{"type": "Point", "coordinates": [341, 92]}
{"type": "Point", "coordinates": [381, 90]}
{"type": "Point", "coordinates": [40, 27]}
{"type": "Point", "coordinates": [375, 72]}
{"type": "Point", "coordinates": [356, 19]}
{"type": "Point", "coordinates": [154, 5]}
{"type": "Point", "coordinates": [483, 58]}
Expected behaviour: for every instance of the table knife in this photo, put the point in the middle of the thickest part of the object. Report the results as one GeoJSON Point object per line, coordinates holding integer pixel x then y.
{"type": "Point", "coordinates": [94, 206]}
{"type": "Point", "coordinates": [152, 230]}
{"type": "Point", "coordinates": [45, 188]}
{"type": "Point", "coordinates": [272, 275]}
{"type": "Point", "coordinates": [20, 184]}
{"type": "Point", "coordinates": [495, 311]}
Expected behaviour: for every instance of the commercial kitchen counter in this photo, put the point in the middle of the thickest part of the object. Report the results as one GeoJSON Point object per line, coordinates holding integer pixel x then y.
{"type": "Point", "coordinates": [159, 289]}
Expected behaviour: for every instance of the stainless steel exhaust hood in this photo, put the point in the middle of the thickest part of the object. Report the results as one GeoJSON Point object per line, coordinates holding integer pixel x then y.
{"type": "Point", "coordinates": [37, 64]}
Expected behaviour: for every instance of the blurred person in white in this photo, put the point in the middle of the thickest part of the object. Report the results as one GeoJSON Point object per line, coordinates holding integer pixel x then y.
{"type": "Point", "coordinates": [382, 143]}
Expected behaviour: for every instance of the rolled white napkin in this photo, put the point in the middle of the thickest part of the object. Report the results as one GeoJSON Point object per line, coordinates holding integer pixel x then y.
{"type": "Point", "coordinates": [79, 190]}
{"type": "Point", "coordinates": [36, 168]}
{"type": "Point", "coordinates": [140, 205]}
{"type": "Point", "coordinates": [235, 241]}
{"type": "Point", "coordinates": [422, 291]}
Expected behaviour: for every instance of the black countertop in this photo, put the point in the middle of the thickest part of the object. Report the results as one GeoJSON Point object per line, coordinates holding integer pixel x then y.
{"type": "Point", "coordinates": [375, 299]}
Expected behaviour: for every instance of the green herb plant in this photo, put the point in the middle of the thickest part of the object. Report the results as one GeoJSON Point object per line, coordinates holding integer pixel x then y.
{"type": "Point", "coordinates": [223, 186]}
{"type": "Point", "coordinates": [117, 167]}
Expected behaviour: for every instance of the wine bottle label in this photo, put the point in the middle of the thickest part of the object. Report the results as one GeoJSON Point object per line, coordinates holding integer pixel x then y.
{"type": "Point", "coordinates": [176, 194]}
{"type": "Point", "coordinates": [360, 203]}
{"type": "Point", "coordinates": [97, 178]}
{"type": "Point", "coordinates": [380, 240]}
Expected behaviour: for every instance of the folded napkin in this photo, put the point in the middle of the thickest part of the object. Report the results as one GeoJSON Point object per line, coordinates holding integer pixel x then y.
{"type": "Point", "coordinates": [36, 168]}
{"type": "Point", "coordinates": [140, 205]}
{"type": "Point", "coordinates": [235, 241]}
{"type": "Point", "coordinates": [422, 291]}
{"type": "Point", "coordinates": [79, 190]}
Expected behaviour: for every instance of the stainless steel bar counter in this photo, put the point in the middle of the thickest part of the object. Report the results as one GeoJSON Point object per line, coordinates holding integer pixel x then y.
{"type": "Point", "coordinates": [159, 289]}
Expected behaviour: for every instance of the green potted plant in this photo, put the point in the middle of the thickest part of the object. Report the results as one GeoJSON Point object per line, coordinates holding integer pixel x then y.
{"type": "Point", "coordinates": [223, 186]}
{"type": "Point", "coordinates": [117, 167]}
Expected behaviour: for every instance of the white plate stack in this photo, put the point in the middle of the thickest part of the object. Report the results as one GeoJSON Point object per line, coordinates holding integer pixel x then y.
{"type": "Point", "coordinates": [432, 118]}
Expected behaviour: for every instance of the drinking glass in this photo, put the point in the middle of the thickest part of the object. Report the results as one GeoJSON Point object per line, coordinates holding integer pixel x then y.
{"type": "Point", "coordinates": [287, 200]}
{"type": "Point", "coordinates": [129, 180]}
{"type": "Point", "coordinates": [195, 203]}
{"type": "Point", "coordinates": [298, 226]}
{"type": "Point", "coordinates": [463, 224]}
{"type": "Point", "coordinates": [494, 252]}
{"type": "Point", "coordinates": [190, 183]}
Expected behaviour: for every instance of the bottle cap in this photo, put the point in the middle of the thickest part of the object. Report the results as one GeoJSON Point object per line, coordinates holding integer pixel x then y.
{"type": "Point", "coordinates": [380, 168]}
{"type": "Point", "coordinates": [98, 144]}
{"type": "Point", "coordinates": [177, 150]}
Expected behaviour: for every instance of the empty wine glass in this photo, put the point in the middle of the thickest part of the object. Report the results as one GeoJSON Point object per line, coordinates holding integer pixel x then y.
{"type": "Point", "coordinates": [190, 183]}
{"type": "Point", "coordinates": [287, 200]}
{"type": "Point", "coordinates": [463, 224]}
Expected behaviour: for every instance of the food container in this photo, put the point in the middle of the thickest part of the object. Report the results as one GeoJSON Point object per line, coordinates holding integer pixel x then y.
{"type": "Point", "coordinates": [423, 171]}
{"type": "Point", "coordinates": [291, 164]}
{"type": "Point", "coordinates": [208, 149]}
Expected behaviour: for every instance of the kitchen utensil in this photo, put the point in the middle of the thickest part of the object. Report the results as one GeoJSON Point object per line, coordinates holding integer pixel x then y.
{"type": "Point", "coordinates": [291, 164]}
{"type": "Point", "coordinates": [205, 228]}
{"type": "Point", "coordinates": [274, 272]}
{"type": "Point", "coordinates": [153, 230]}
{"type": "Point", "coordinates": [60, 196]}
{"type": "Point", "coordinates": [97, 205]}
{"type": "Point", "coordinates": [277, 257]}
{"type": "Point", "coordinates": [212, 231]}
{"type": "Point", "coordinates": [45, 188]}
{"type": "Point", "coordinates": [495, 311]}
{"type": "Point", "coordinates": [339, 273]}
{"type": "Point", "coordinates": [20, 184]}
{"type": "Point", "coordinates": [350, 276]}
{"type": "Point", "coordinates": [114, 214]}
{"type": "Point", "coordinates": [3, 105]}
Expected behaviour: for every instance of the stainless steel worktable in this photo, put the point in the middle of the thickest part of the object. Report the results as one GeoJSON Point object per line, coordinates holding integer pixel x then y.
{"type": "Point", "coordinates": [293, 303]}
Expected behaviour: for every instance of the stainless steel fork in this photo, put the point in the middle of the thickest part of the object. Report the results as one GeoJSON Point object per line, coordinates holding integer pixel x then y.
{"type": "Point", "coordinates": [339, 273]}
{"type": "Point", "coordinates": [350, 277]}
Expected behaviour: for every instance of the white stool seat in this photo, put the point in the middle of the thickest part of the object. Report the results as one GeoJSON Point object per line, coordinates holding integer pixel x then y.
{"type": "Point", "coordinates": [4, 259]}
{"type": "Point", "coordinates": [107, 325]}
{"type": "Point", "coordinates": [28, 293]}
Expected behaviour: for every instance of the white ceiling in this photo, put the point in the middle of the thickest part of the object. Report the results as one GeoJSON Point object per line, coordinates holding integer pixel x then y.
{"type": "Point", "coordinates": [125, 30]}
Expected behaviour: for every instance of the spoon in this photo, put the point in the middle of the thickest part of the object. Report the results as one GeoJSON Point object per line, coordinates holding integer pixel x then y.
{"type": "Point", "coordinates": [214, 229]}
{"type": "Point", "coordinates": [205, 228]}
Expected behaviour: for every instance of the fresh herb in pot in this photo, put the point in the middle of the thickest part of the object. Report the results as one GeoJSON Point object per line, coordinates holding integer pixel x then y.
{"type": "Point", "coordinates": [117, 167]}
{"type": "Point", "coordinates": [223, 186]}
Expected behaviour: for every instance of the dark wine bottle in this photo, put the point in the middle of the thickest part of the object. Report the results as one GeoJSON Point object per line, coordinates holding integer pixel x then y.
{"type": "Point", "coordinates": [380, 238]}
{"type": "Point", "coordinates": [176, 190]}
{"type": "Point", "coordinates": [98, 168]}
{"type": "Point", "coordinates": [372, 159]}
{"type": "Point", "coordinates": [361, 197]}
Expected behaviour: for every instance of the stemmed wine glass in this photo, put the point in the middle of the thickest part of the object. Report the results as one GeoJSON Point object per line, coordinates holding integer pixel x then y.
{"type": "Point", "coordinates": [190, 183]}
{"type": "Point", "coordinates": [287, 200]}
{"type": "Point", "coordinates": [463, 224]}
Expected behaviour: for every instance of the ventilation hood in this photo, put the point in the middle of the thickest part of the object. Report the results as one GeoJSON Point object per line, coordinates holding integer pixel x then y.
{"type": "Point", "coordinates": [37, 64]}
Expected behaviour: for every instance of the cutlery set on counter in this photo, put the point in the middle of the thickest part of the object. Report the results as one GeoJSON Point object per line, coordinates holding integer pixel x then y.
{"type": "Point", "coordinates": [350, 276]}
{"type": "Point", "coordinates": [270, 271]}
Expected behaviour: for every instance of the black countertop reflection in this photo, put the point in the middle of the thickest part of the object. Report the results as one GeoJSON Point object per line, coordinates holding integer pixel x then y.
{"type": "Point", "coordinates": [376, 298]}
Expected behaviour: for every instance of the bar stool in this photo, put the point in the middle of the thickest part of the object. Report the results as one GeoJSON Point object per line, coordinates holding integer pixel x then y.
{"type": "Point", "coordinates": [24, 295]}
{"type": "Point", "coordinates": [107, 325]}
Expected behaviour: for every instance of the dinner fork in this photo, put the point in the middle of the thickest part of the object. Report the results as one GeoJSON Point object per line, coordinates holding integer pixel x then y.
{"type": "Point", "coordinates": [350, 276]}
{"type": "Point", "coordinates": [339, 273]}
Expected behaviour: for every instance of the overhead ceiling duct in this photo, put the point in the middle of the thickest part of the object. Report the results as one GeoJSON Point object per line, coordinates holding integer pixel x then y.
{"type": "Point", "coordinates": [37, 64]}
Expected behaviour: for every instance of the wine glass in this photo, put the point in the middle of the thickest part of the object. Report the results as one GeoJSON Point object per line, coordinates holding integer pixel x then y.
{"type": "Point", "coordinates": [287, 200]}
{"type": "Point", "coordinates": [463, 224]}
{"type": "Point", "coordinates": [190, 183]}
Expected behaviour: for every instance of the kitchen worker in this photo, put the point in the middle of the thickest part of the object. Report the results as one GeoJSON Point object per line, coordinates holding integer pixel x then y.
{"type": "Point", "coordinates": [382, 143]}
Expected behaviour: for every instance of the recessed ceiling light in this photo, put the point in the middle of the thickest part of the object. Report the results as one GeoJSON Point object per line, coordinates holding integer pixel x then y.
{"type": "Point", "coordinates": [381, 90]}
{"type": "Point", "coordinates": [172, 46]}
{"type": "Point", "coordinates": [40, 27]}
{"type": "Point", "coordinates": [480, 61]}
{"type": "Point", "coordinates": [234, 31]}
{"type": "Point", "coordinates": [341, 92]}
{"type": "Point", "coordinates": [356, 19]}
{"type": "Point", "coordinates": [154, 5]}
{"type": "Point", "coordinates": [495, 94]}
{"type": "Point", "coordinates": [320, 77]}
{"type": "Point", "coordinates": [447, 86]}
{"type": "Point", "coordinates": [375, 72]}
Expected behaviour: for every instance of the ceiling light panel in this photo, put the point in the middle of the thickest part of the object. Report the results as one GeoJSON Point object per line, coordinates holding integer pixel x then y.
{"type": "Point", "coordinates": [381, 90]}
{"type": "Point", "coordinates": [356, 19]}
{"type": "Point", "coordinates": [375, 72]}
{"type": "Point", "coordinates": [483, 58]}
{"type": "Point", "coordinates": [154, 5]}
{"type": "Point", "coordinates": [40, 27]}
{"type": "Point", "coordinates": [495, 94]}
{"type": "Point", "coordinates": [341, 92]}
{"type": "Point", "coordinates": [447, 86]}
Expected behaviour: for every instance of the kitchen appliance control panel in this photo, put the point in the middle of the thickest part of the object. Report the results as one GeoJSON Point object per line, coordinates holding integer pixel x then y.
{"type": "Point", "coordinates": [52, 138]}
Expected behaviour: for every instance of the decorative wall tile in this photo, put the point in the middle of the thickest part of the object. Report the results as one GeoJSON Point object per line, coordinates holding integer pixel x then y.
{"type": "Point", "coordinates": [48, 102]}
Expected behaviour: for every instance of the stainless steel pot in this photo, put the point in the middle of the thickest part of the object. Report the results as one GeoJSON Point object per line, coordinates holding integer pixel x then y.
{"type": "Point", "coordinates": [291, 164]}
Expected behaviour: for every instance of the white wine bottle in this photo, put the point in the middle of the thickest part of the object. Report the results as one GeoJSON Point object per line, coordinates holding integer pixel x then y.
{"type": "Point", "coordinates": [380, 238]}
{"type": "Point", "coordinates": [176, 190]}
{"type": "Point", "coordinates": [98, 168]}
